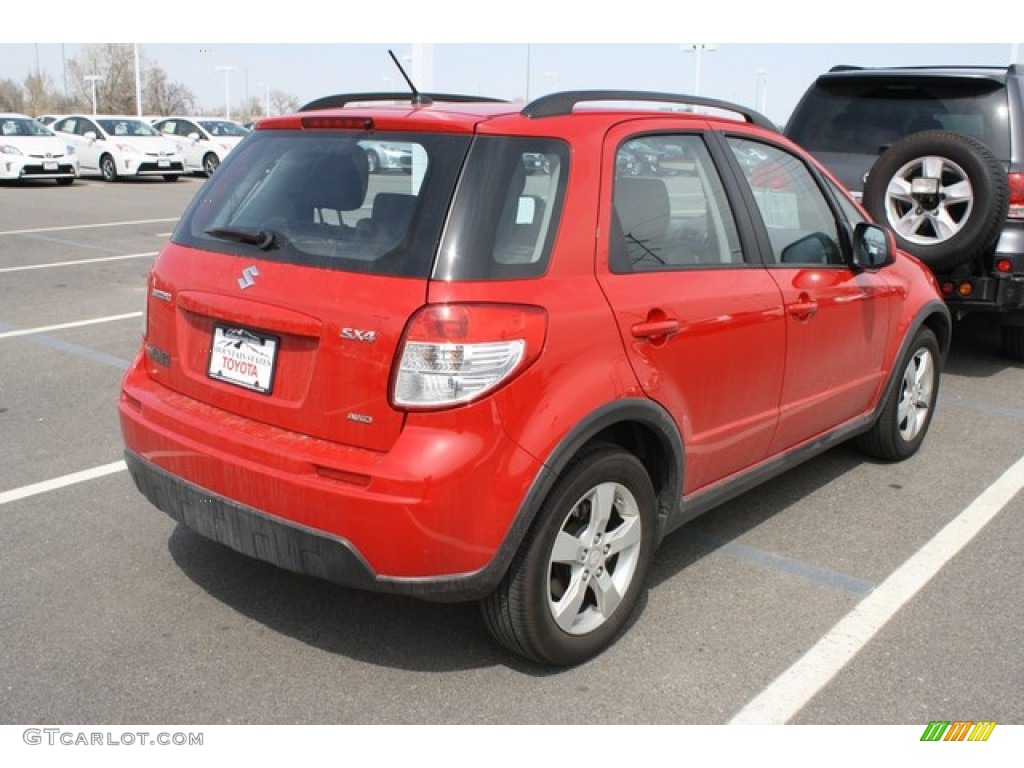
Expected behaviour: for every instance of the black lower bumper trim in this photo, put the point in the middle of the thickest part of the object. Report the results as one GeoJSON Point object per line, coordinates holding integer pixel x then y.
{"type": "Point", "coordinates": [286, 545]}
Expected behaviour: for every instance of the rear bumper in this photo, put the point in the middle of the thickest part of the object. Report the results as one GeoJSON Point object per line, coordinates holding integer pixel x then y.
{"type": "Point", "coordinates": [248, 530]}
{"type": "Point", "coordinates": [430, 518]}
{"type": "Point", "coordinates": [988, 294]}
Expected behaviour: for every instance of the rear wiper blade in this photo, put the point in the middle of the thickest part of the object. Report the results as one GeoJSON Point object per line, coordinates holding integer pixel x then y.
{"type": "Point", "coordinates": [258, 237]}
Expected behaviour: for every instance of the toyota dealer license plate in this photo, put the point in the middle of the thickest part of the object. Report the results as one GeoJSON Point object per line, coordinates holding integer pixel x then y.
{"type": "Point", "coordinates": [243, 358]}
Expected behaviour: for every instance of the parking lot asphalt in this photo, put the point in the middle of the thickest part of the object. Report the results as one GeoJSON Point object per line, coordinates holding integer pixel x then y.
{"type": "Point", "coordinates": [112, 613]}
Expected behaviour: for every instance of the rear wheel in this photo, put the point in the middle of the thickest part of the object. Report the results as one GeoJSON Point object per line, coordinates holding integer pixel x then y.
{"type": "Point", "coordinates": [579, 572]}
{"type": "Point", "coordinates": [1013, 341]}
{"type": "Point", "coordinates": [907, 413]}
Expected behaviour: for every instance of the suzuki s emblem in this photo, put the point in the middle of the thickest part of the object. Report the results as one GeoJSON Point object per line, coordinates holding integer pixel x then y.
{"type": "Point", "coordinates": [248, 277]}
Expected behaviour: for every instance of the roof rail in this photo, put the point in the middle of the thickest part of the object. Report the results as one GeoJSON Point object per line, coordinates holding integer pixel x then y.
{"type": "Point", "coordinates": [344, 99]}
{"type": "Point", "coordinates": [555, 104]}
{"type": "Point", "coordinates": [845, 68]}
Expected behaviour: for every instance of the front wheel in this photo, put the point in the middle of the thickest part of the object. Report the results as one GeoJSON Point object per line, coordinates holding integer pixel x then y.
{"type": "Point", "coordinates": [210, 163]}
{"type": "Point", "coordinates": [907, 412]}
{"type": "Point", "coordinates": [108, 168]}
{"type": "Point", "coordinates": [170, 177]}
{"type": "Point", "coordinates": [579, 572]}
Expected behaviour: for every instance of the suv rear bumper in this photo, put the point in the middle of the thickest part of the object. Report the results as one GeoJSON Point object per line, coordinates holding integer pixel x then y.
{"type": "Point", "coordinates": [429, 518]}
{"type": "Point", "coordinates": [988, 294]}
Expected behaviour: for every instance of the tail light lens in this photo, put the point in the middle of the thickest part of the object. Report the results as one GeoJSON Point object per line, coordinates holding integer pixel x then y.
{"type": "Point", "coordinates": [455, 353]}
{"type": "Point", "coordinates": [1016, 195]}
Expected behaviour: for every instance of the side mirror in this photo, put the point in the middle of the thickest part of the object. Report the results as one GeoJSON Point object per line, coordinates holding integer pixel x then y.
{"type": "Point", "coordinates": [194, 137]}
{"type": "Point", "coordinates": [873, 246]}
{"type": "Point", "coordinates": [90, 135]}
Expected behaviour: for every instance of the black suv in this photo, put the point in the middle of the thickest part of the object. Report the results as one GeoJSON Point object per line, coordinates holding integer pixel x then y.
{"type": "Point", "coordinates": [937, 153]}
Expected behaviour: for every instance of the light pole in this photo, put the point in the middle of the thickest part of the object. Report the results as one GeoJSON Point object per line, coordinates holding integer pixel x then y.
{"type": "Point", "coordinates": [266, 96]}
{"type": "Point", "coordinates": [138, 81]}
{"type": "Point", "coordinates": [227, 90]}
{"type": "Point", "coordinates": [94, 79]}
{"type": "Point", "coordinates": [696, 49]}
{"type": "Point", "coordinates": [761, 92]}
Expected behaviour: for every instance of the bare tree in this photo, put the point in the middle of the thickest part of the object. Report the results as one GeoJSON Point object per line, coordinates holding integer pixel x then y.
{"type": "Point", "coordinates": [41, 96]}
{"type": "Point", "coordinates": [282, 103]}
{"type": "Point", "coordinates": [115, 93]}
{"type": "Point", "coordinates": [162, 97]}
{"type": "Point", "coordinates": [11, 97]}
{"type": "Point", "coordinates": [115, 63]}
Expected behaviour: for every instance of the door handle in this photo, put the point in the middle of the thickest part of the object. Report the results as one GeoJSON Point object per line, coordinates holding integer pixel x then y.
{"type": "Point", "coordinates": [653, 329]}
{"type": "Point", "coordinates": [803, 309]}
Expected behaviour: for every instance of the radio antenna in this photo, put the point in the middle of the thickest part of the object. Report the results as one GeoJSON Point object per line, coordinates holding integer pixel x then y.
{"type": "Point", "coordinates": [417, 97]}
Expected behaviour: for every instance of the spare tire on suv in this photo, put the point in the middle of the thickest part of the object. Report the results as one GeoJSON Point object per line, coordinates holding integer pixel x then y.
{"type": "Point", "coordinates": [944, 194]}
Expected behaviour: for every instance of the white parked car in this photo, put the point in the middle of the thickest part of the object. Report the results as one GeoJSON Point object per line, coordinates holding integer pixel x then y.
{"type": "Point", "coordinates": [113, 146]}
{"type": "Point", "coordinates": [204, 140]}
{"type": "Point", "coordinates": [30, 150]}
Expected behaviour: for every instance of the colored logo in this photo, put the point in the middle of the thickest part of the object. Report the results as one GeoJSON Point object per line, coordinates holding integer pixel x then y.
{"type": "Point", "coordinates": [958, 730]}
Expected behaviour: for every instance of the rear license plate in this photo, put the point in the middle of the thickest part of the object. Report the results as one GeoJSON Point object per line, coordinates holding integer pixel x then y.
{"type": "Point", "coordinates": [243, 358]}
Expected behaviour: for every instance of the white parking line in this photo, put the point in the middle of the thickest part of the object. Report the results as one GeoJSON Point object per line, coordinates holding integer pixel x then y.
{"type": "Point", "coordinates": [26, 267]}
{"type": "Point", "coordinates": [788, 694]}
{"type": "Point", "coordinates": [62, 326]}
{"type": "Point", "coordinates": [83, 226]}
{"type": "Point", "coordinates": [61, 482]}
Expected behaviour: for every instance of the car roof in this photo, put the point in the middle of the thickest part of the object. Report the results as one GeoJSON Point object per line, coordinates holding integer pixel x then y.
{"type": "Point", "coordinates": [463, 113]}
{"type": "Point", "coordinates": [193, 118]}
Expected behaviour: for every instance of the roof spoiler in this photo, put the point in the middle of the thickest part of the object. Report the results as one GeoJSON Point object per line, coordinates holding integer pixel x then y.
{"type": "Point", "coordinates": [344, 99]}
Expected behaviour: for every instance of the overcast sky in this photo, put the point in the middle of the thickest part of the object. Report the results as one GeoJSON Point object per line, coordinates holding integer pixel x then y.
{"type": "Point", "coordinates": [523, 49]}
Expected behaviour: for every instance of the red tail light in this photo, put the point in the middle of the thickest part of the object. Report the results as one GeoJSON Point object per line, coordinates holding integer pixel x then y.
{"type": "Point", "coordinates": [1016, 195]}
{"type": "Point", "coordinates": [455, 353]}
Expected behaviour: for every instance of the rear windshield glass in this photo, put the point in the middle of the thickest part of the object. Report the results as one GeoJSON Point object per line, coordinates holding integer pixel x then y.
{"type": "Point", "coordinates": [865, 115]}
{"type": "Point", "coordinates": [317, 198]}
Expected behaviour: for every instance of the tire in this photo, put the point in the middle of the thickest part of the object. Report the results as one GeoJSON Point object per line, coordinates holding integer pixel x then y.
{"type": "Point", "coordinates": [108, 168]}
{"type": "Point", "coordinates": [65, 182]}
{"type": "Point", "coordinates": [963, 220]}
{"type": "Point", "coordinates": [210, 163]}
{"type": "Point", "coordinates": [1013, 341]}
{"type": "Point", "coordinates": [578, 574]}
{"type": "Point", "coordinates": [907, 413]}
{"type": "Point", "coordinates": [171, 177]}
